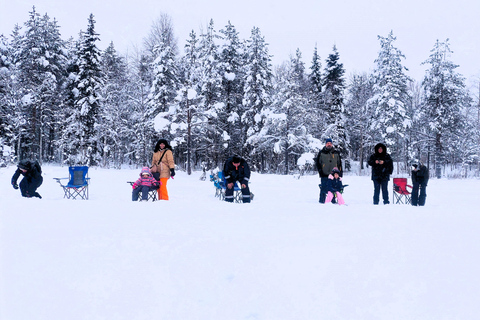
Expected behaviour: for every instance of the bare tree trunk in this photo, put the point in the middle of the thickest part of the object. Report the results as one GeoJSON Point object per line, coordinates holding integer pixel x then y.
{"type": "Point", "coordinates": [438, 156]}
{"type": "Point", "coordinates": [189, 141]}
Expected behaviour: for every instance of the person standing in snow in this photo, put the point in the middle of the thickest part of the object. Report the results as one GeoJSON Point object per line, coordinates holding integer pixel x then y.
{"type": "Point", "coordinates": [236, 169]}
{"type": "Point", "coordinates": [32, 178]}
{"type": "Point", "coordinates": [327, 159]}
{"type": "Point", "coordinates": [382, 168]}
{"type": "Point", "coordinates": [163, 166]}
{"type": "Point", "coordinates": [420, 175]}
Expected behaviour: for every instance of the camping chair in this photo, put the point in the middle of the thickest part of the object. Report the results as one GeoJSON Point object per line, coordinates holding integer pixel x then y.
{"type": "Point", "coordinates": [217, 183]}
{"type": "Point", "coordinates": [152, 194]}
{"type": "Point", "coordinates": [77, 185]}
{"type": "Point", "coordinates": [400, 191]}
{"type": "Point", "coordinates": [221, 185]}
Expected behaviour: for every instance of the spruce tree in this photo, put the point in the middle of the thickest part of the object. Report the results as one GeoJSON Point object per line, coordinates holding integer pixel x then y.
{"type": "Point", "coordinates": [6, 99]}
{"type": "Point", "coordinates": [210, 94]}
{"type": "Point", "coordinates": [231, 67]}
{"type": "Point", "coordinates": [40, 70]}
{"type": "Point", "coordinates": [444, 91]}
{"type": "Point", "coordinates": [334, 83]}
{"type": "Point", "coordinates": [187, 118]}
{"type": "Point", "coordinates": [287, 125]}
{"type": "Point", "coordinates": [81, 134]}
{"type": "Point", "coordinates": [359, 116]}
{"type": "Point", "coordinates": [257, 91]}
{"type": "Point", "coordinates": [114, 117]}
{"type": "Point", "coordinates": [391, 96]}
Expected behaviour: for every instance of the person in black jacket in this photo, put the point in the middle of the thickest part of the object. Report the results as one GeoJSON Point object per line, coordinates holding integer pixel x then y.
{"type": "Point", "coordinates": [420, 177]}
{"type": "Point", "coordinates": [382, 168]}
{"type": "Point", "coordinates": [236, 169]}
{"type": "Point", "coordinates": [32, 178]}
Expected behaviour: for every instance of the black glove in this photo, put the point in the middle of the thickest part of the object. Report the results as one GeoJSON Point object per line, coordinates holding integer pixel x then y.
{"type": "Point", "coordinates": [15, 186]}
{"type": "Point", "coordinates": [172, 172]}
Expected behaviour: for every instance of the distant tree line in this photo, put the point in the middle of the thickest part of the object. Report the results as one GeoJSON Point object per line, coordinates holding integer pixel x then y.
{"type": "Point", "coordinates": [65, 101]}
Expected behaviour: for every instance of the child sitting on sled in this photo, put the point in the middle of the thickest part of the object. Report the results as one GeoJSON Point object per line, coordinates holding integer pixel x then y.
{"type": "Point", "coordinates": [144, 184]}
{"type": "Point", "coordinates": [335, 186]}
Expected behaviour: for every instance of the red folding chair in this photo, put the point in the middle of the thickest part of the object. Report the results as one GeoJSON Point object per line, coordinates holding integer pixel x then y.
{"type": "Point", "coordinates": [400, 191]}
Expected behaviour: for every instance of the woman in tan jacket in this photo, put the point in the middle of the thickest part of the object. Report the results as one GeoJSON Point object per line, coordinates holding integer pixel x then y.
{"type": "Point", "coordinates": [163, 165]}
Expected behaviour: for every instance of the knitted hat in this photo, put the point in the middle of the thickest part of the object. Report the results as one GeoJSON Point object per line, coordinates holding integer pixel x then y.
{"type": "Point", "coordinates": [145, 170]}
{"type": "Point", "coordinates": [236, 159]}
{"type": "Point", "coordinates": [335, 170]}
{"type": "Point", "coordinates": [328, 140]}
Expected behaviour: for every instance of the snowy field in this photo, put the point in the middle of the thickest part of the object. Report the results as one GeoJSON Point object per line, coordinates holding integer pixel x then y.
{"type": "Point", "coordinates": [284, 256]}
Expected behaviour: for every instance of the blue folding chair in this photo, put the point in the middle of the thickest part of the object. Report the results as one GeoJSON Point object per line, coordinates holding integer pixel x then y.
{"type": "Point", "coordinates": [77, 185]}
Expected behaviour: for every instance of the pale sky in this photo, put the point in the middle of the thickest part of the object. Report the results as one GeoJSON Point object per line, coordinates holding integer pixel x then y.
{"type": "Point", "coordinates": [352, 25]}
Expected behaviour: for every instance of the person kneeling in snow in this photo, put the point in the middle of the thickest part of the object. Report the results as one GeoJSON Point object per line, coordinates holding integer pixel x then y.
{"type": "Point", "coordinates": [32, 178]}
{"type": "Point", "coordinates": [335, 186]}
{"type": "Point", "coordinates": [144, 184]}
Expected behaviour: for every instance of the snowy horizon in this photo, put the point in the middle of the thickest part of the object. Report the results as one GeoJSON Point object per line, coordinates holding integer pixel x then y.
{"type": "Point", "coordinates": [284, 256]}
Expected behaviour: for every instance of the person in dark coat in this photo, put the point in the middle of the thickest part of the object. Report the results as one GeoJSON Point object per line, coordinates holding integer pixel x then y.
{"type": "Point", "coordinates": [335, 187]}
{"type": "Point", "coordinates": [32, 178]}
{"type": "Point", "coordinates": [382, 168]}
{"type": "Point", "coordinates": [327, 159]}
{"type": "Point", "coordinates": [420, 175]}
{"type": "Point", "coordinates": [236, 169]}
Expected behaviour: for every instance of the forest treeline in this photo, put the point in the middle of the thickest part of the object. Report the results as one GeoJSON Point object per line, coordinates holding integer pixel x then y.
{"type": "Point", "coordinates": [67, 101]}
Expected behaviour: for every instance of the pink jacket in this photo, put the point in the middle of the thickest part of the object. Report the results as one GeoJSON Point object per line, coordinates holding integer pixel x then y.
{"type": "Point", "coordinates": [146, 181]}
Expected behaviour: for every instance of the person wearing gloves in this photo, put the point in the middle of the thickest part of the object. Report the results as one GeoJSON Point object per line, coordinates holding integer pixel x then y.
{"type": "Point", "coordinates": [420, 175]}
{"type": "Point", "coordinates": [163, 166]}
{"type": "Point", "coordinates": [32, 178]}
{"type": "Point", "coordinates": [382, 168]}
{"type": "Point", "coordinates": [236, 169]}
{"type": "Point", "coordinates": [144, 184]}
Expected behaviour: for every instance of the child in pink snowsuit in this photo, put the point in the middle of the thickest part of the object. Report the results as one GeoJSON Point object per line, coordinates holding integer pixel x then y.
{"type": "Point", "coordinates": [144, 184]}
{"type": "Point", "coordinates": [334, 185]}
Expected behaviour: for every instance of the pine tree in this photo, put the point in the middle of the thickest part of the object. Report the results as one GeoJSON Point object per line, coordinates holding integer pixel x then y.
{"type": "Point", "coordinates": [210, 94]}
{"type": "Point", "coordinates": [315, 77]}
{"type": "Point", "coordinates": [444, 91]}
{"type": "Point", "coordinates": [231, 67]}
{"type": "Point", "coordinates": [81, 134]}
{"type": "Point", "coordinates": [286, 128]}
{"type": "Point", "coordinates": [114, 118]}
{"type": "Point", "coordinates": [164, 85]}
{"type": "Point", "coordinates": [334, 83]}
{"type": "Point", "coordinates": [317, 114]}
{"type": "Point", "coordinates": [6, 100]}
{"type": "Point", "coordinates": [141, 133]}
{"type": "Point", "coordinates": [360, 115]}
{"type": "Point", "coordinates": [187, 116]}
{"type": "Point", "coordinates": [257, 91]}
{"type": "Point", "coordinates": [391, 95]}
{"type": "Point", "coordinates": [40, 73]}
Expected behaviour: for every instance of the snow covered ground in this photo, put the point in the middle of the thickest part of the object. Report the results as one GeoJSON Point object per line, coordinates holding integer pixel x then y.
{"type": "Point", "coordinates": [284, 256]}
